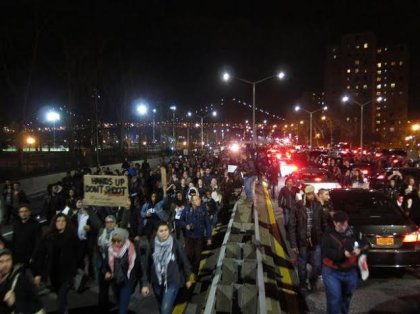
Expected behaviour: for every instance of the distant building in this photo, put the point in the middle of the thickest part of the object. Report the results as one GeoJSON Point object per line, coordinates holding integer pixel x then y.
{"type": "Point", "coordinates": [364, 71]}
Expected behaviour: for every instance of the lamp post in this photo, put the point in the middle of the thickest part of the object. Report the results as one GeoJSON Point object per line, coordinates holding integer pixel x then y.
{"type": "Point", "coordinates": [53, 116]}
{"type": "Point", "coordinates": [328, 120]}
{"type": "Point", "coordinates": [226, 77]}
{"type": "Point", "coordinates": [141, 111]}
{"type": "Point", "coordinates": [213, 114]}
{"type": "Point", "coordinates": [298, 108]}
{"type": "Point", "coordinates": [173, 108]}
{"type": "Point", "coordinates": [362, 105]}
{"type": "Point", "coordinates": [30, 141]}
{"type": "Point", "coordinates": [153, 126]}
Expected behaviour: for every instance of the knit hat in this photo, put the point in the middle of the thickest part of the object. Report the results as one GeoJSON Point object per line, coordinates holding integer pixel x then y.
{"type": "Point", "coordinates": [5, 252]}
{"type": "Point", "coordinates": [309, 189]}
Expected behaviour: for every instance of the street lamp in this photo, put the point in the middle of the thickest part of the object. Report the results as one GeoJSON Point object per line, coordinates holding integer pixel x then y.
{"type": "Point", "coordinates": [142, 111]}
{"type": "Point", "coordinates": [30, 141]}
{"type": "Point", "coordinates": [298, 108]}
{"type": "Point", "coordinates": [362, 105]}
{"type": "Point", "coordinates": [324, 118]}
{"type": "Point", "coordinates": [213, 114]}
{"type": "Point", "coordinates": [227, 77]}
{"type": "Point", "coordinates": [154, 126]}
{"type": "Point", "coordinates": [173, 108]}
{"type": "Point", "coordinates": [53, 116]}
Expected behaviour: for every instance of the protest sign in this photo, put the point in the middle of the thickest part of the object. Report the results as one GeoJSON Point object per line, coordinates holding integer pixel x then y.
{"type": "Point", "coordinates": [106, 190]}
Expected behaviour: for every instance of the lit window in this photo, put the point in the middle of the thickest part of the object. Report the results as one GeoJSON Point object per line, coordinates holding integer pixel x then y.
{"type": "Point", "coordinates": [378, 122]}
{"type": "Point", "coordinates": [385, 49]}
{"type": "Point", "coordinates": [357, 46]}
{"type": "Point", "coordinates": [365, 45]}
{"type": "Point", "coordinates": [378, 86]}
{"type": "Point", "coordinates": [334, 57]}
{"type": "Point", "coordinates": [401, 63]}
{"type": "Point", "coordinates": [379, 64]}
{"type": "Point", "coordinates": [377, 130]}
{"type": "Point", "coordinates": [392, 85]}
{"type": "Point", "coordinates": [379, 72]}
{"type": "Point", "coordinates": [393, 63]}
{"type": "Point", "coordinates": [365, 86]}
{"type": "Point", "coordinates": [348, 71]}
{"type": "Point", "coordinates": [378, 93]}
{"type": "Point", "coordinates": [378, 79]}
{"type": "Point", "coordinates": [348, 86]}
{"type": "Point", "coordinates": [356, 70]}
{"type": "Point", "coordinates": [348, 119]}
{"type": "Point", "coordinates": [379, 50]}
{"type": "Point", "coordinates": [378, 115]}
{"type": "Point", "coordinates": [356, 87]}
{"type": "Point", "coordinates": [357, 62]}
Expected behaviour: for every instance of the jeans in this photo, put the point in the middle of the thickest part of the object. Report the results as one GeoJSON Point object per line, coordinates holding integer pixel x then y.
{"type": "Point", "coordinates": [248, 187]}
{"type": "Point", "coordinates": [339, 288]}
{"type": "Point", "coordinates": [123, 294]}
{"type": "Point", "coordinates": [313, 257]}
{"type": "Point", "coordinates": [166, 296]}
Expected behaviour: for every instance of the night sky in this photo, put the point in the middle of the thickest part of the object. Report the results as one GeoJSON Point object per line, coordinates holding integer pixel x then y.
{"type": "Point", "coordinates": [168, 53]}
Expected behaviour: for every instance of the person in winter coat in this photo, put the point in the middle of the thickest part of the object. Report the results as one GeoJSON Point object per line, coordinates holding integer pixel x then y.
{"type": "Point", "coordinates": [26, 236]}
{"type": "Point", "coordinates": [104, 242]}
{"type": "Point", "coordinates": [167, 270]}
{"type": "Point", "coordinates": [57, 257]}
{"type": "Point", "coordinates": [152, 213]}
{"type": "Point", "coordinates": [196, 224]}
{"type": "Point", "coordinates": [124, 268]}
{"type": "Point", "coordinates": [17, 291]}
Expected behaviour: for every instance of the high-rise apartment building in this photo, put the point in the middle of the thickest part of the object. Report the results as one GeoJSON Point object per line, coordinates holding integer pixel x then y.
{"type": "Point", "coordinates": [364, 71]}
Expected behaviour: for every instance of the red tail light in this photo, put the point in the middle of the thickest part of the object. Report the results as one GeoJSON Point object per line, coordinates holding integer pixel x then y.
{"type": "Point", "coordinates": [294, 168]}
{"type": "Point", "coordinates": [278, 156]}
{"type": "Point", "coordinates": [365, 171]}
{"type": "Point", "coordinates": [318, 180]}
{"type": "Point", "coordinates": [412, 237]}
{"type": "Point", "coordinates": [381, 177]}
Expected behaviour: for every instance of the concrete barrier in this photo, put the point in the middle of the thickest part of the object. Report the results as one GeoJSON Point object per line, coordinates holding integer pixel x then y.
{"type": "Point", "coordinates": [38, 185]}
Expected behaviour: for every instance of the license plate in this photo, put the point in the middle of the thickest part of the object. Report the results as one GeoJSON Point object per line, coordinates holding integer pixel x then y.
{"type": "Point", "coordinates": [384, 241]}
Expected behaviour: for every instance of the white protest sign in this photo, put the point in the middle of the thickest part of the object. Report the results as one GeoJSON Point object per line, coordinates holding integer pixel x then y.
{"type": "Point", "coordinates": [105, 190]}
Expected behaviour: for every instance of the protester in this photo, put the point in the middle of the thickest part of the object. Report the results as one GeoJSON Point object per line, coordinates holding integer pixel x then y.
{"type": "Point", "coordinates": [167, 270]}
{"type": "Point", "coordinates": [339, 269]}
{"type": "Point", "coordinates": [17, 291]}
{"type": "Point", "coordinates": [124, 268]}
{"type": "Point", "coordinates": [57, 257]}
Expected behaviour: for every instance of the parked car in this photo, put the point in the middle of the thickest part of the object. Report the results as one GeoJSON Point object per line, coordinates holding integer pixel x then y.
{"type": "Point", "coordinates": [379, 181]}
{"type": "Point", "coordinates": [393, 238]}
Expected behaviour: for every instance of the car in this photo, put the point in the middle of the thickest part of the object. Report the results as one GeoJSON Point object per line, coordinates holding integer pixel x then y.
{"type": "Point", "coordinates": [393, 238]}
{"type": "Point", "coordinates": [317, 177]}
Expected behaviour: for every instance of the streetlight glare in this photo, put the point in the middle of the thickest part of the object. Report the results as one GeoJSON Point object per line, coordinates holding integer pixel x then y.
{"type": "Point", "coordinates": [172, 108]}
{"type": "Point", "coordinates": [30, 140]}
{"type": "Point", "coordinates": [53, 116]}
{"type": "Point", "coordinates": [154, 110]}
{"type": "Point", "coordinates": [226, 76]}
{"type": "Point", "coordinates": [345, 99]}
{"type": "Point", "coordinates": [415, 127]}
{"type": "Point", "coordinates": [379, 99]}
{"type": "Point", "coordinates": [142, 109]}
{"type": "Point", "coordinates": [214, 113]}
{"type": "Point", "coordinates": [325, 108]}
{"type": "Point", "coordinates": [281, 75]}
{"type": "Point", "coordinates": [297, 108]}
{"type": "Point", "coordinates": [189, 114]}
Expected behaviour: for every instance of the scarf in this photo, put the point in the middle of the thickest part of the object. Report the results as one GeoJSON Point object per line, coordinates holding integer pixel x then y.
{"type": "Point", "coordinates": [104, 241]}
{"type": "Point", "coordinates": [115, 252]}
{"type": "Point", "coordinates": [161, 258]}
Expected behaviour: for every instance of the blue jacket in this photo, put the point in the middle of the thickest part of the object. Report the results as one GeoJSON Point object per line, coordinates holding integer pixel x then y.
{"type": "Point", "coordinates": [199, 219]}
{"type": "Point", "coordinates": [158, 207]}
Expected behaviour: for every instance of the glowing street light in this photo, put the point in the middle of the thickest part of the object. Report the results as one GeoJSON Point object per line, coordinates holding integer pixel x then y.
{"type": "Point", "coordinates": [345, 99]}
{"type": "Point", "coordinates": [227, 77]}
{"type": "Point", "coordinates": [415, 127]}
{"type": "Point", "coordinates": [173, 108]}
{"type": "Point", "coordinates": [299, 108]}
{"type": "Point", "coordinates": [142, 109]}
{"type": "Point", "coordinates": [53, 116]}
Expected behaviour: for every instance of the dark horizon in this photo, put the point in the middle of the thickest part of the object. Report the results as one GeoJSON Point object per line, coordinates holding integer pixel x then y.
{"type": "Point", "coordinates": [171, 54]}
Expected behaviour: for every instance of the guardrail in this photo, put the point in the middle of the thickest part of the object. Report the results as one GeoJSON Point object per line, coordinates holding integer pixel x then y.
{"type": "Point", "coordinates": [238, 283]}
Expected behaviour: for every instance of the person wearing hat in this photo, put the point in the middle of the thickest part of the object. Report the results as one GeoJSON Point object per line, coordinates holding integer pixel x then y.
{"type": "Point", "coordinates": [307, 224]}
{"type": "Point", "coordinates": [17, 291]}
{"type": "Point", "coordinates": [340, 253]}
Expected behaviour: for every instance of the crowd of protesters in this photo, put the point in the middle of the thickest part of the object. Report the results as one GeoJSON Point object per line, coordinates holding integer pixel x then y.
{"type": "Point", "coordinates": [155, 241]}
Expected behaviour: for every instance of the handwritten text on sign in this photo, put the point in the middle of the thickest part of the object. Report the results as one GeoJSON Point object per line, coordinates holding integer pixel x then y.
{"type": "Point", "coordinates": [103, 190]}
